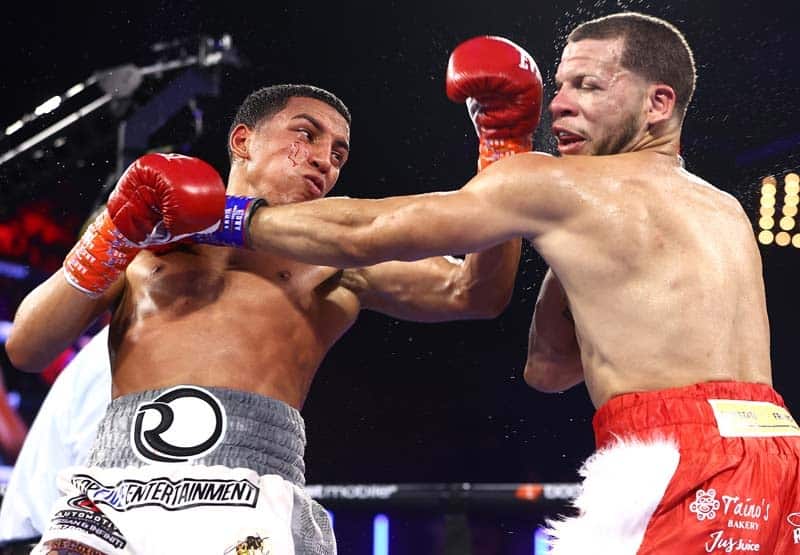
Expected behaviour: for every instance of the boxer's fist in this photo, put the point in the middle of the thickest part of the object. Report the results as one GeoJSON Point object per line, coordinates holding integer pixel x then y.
{"type": "Point", "coordinates": [502, 88]}
{"type": "Point", "coordinates": [163, 197]}
{"type": "Point", "coordinates": [159, 199]}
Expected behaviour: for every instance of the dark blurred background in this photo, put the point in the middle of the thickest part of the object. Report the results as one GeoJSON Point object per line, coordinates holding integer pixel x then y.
{"type": "Point", "coordinates": [394, 401]}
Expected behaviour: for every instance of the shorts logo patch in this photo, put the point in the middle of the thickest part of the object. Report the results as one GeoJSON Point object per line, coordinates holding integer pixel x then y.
{"type": "Point", "coordinates": [183, 423]}
{"type": "Point", "coordinates": [87, 517]}
{"type": "Point", "coordinates": [705, 504]}
{"type": "Point", "coordinates": [172, 495]}
{"type": "Point", "coordinates": [794, 520]}
{"type": "Point", "coordinates": [251, 545]}
{"type": "Point", "coordinates": [83, 502]}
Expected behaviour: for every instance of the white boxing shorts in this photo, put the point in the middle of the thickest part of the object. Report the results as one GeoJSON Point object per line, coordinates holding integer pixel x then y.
{"type": "Point", "coordinates": [191, 470]}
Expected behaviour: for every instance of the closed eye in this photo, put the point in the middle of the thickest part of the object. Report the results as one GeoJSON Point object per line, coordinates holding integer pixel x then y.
{"type": "Point", "coordinates": [588, 83]}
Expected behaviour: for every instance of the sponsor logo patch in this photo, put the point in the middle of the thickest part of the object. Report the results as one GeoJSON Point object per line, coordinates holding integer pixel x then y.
{"type": "Point", "coordinates": [88, 518]}
{"type": "Point", "coordinates": [741, 516]}
{"type": "Point", "coordinates": [705, 504]}
{"type": "Point", "coordinates": [172, 495]}
{"type": "Point", "coordinates": [183, 423]}
{"type": "Point", "coordinates": [794, 520]}
{"type": "Point", "coordinates": [727, 544]}
{"type": "Point", "coordinates": [251, 545]}
{"type": "Point", "coordinates": [752, 419]}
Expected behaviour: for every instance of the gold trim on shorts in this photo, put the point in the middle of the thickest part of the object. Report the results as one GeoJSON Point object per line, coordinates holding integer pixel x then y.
{"type": "Point", "coordinates": [752, 419]}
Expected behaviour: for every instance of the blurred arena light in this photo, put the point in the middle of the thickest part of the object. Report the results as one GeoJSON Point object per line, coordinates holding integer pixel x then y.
{"type": "Point", "coordinates": [380, 535]}
{"type": "Point", "coordinates": [541, 541]}
{"type": "Point", "coordinates": [779, 228]}
{"type": "Point", "coordinates": [5, 330]}
{"type": "Point", "coordinates": [13, 270]}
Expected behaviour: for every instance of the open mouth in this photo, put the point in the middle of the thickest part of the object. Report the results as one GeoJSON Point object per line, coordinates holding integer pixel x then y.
{"type": "Point", "coordinates": [568, 142]}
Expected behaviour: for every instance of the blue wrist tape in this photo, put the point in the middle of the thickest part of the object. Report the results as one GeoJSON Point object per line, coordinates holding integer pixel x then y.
{"type": "Point", "coordinates": [232, 230]}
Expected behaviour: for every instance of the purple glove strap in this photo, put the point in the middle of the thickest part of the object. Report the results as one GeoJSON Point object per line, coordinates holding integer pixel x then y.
{"type": "Point", "coordinates": [232, 230]}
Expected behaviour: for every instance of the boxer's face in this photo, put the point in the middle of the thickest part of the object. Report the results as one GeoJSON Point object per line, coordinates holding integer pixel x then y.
{"type": "Point", "coordinates": [599, 106]}
{"type": "Point", "coordinates": [297, 154]}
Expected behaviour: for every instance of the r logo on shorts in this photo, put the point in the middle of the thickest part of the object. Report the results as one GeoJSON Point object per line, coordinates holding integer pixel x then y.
{"type": "Point", "coordinates": [183, 423]}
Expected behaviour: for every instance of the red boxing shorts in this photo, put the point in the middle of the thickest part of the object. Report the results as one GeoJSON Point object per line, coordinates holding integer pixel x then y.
{"type": "Point", "coordinates": [707, 468]}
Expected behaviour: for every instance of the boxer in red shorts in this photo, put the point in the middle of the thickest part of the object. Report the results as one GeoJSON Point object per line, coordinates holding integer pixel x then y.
{"type": "Point", "coordinates": [654, 297]}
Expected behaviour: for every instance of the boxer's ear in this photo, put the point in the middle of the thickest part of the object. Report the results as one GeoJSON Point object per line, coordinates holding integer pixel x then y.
{"type": "Point", "coordinates": [660, 103]}
{"type": "Point", "coordinates": [239, 142]}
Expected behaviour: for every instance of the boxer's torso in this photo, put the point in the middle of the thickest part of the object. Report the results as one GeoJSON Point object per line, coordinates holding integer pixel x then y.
{"type": "Point", "coordinates": [663, 277]}
{"type": "Point", "coordinates": [216, 316]}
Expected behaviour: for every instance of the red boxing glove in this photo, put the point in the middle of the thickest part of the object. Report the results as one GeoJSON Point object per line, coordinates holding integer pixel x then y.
{"type": "Point", "coordinates": [160, 198]}
{"type": "Point", "coordinates": [502, 87]}
{"type": "Point", "coordinates": [164, 197]}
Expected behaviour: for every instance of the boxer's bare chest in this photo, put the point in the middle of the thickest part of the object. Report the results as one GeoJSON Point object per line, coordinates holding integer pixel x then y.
{"type": "Point", "coordinates": [257, 322]}
{"type": "Point", "coordinates": [191, 277]}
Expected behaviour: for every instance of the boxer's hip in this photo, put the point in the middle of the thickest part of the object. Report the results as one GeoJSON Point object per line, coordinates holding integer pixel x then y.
{"type": "Point", "coordinates": [696, 414]}
{"type": "Point", "coordinates": [202, 426]}
{"type": "Point", "coordinates": [191, 469]}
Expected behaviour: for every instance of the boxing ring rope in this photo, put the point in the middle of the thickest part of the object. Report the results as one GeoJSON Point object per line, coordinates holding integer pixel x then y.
{"type": "Point", "coordinates": [443, 495]}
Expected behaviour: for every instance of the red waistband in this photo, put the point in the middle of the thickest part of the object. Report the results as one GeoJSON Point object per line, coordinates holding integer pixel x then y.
{"type": "Point", "coordinates": [655, 411]}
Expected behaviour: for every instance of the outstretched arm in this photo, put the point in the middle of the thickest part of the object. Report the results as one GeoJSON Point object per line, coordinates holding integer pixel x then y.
{"type": "Point", "coordinates": [554, 357]}
{"type": "Point", "coordinates": [358, 232]}
{"type": "Point", "coordinates": [524, 195]}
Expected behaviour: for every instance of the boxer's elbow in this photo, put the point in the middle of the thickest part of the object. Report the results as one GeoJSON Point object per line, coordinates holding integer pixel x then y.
{"type": "Point", "coordinates": [538, 374]}
{"type": "Point", "coordinates": [481, 304]}
{"type": "Point", "coordinates": [21, 355]}
{"type": "Point", "coordinates": [499, 301]}
{"type": "Point", "coordinates": [550, 374]}
{"type": "Point", "coordinates": [483, 297]}
{"type": "Point", "coordinates": [489, 311]}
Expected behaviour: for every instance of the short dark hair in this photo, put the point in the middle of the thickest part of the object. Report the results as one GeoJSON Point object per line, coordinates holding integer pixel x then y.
{"type": "Point", "coordinates": [654, 49]}
{"type": "Point", "coordinates": [263, 103]}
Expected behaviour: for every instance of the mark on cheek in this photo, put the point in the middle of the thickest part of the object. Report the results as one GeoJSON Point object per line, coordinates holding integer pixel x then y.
{"type": "Point", "coordinates": [298, 154]}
